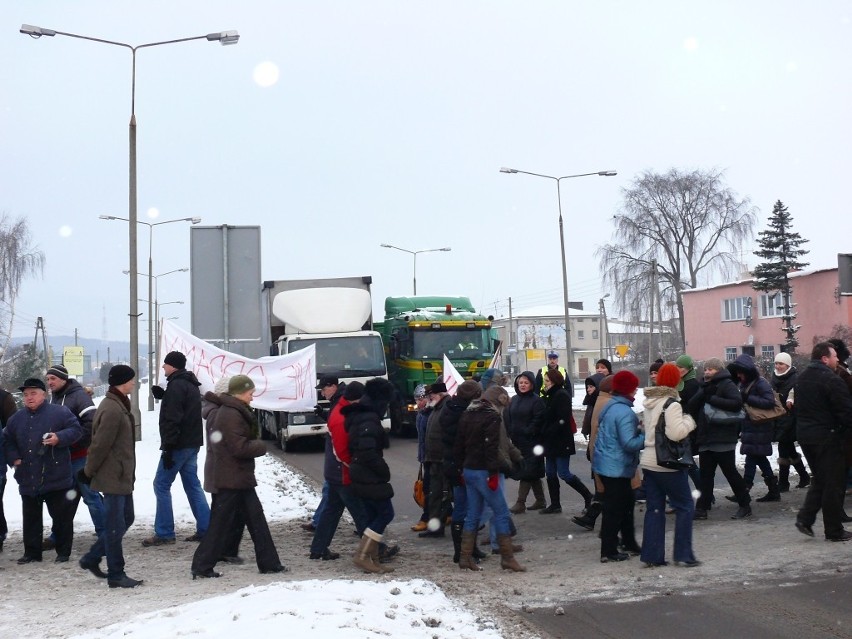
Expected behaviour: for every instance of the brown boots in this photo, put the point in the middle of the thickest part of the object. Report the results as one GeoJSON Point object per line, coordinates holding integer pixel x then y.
{"type": "Point", "coordinates": [524, 488]}
{"type": "Point", "coordinates": [468, 543]}
{"type": "Point", "coordinates": [507, 556]}
{"type": "Point", "coordinates": [367, 555]}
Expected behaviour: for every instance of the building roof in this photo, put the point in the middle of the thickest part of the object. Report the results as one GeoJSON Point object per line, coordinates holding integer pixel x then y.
{"type": "Point", "coordinates": [748, 280]}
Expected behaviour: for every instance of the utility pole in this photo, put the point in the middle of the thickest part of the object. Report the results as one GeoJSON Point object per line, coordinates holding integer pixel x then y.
{"type": "Point", "coordinates": [651, 309]}
{"type": "Point", "coordinates": [512, 343]}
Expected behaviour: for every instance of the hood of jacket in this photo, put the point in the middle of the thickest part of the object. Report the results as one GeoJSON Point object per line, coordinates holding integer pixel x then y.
{"type": "Point", "coordinates": [744, 364]}
{"type": "Point", "coordinates": [184, 374]}
{"type": "Point", "coordinates": [531, 377]}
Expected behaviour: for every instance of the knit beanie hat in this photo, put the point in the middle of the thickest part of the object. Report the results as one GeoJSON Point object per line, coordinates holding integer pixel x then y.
{"type": "Point", "coordinates": [685, 361]}
{"type": "Point", "coordinates": [624, 383]}
{"type": "Point", "coordinates": [222, 385]}
{"type": "Point", "coordinates": [355, 390]}
{"type": "Point", "coordinates": [58, 371]}
{"type": "Point", "coordinates": [239, 384]}
{"type": "Point", "coordinates": [120, 374]}
{"type": "Point", "coordinates": [668, 375]}
{"type": "Point", "coordinates": [715, 363]}
{"type": "Point", "coordinates": [176, 359]}
{"type": "Point", "coordinates": [469, 390]}
{"type": "Point", "coordinates": [656, 366]}
{"type": "Point", "coordinates": [784, 358]}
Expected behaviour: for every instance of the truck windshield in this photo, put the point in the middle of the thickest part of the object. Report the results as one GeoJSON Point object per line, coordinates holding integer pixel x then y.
{"type": "Point", "coordinates": [463, 343]}
{"type": "Point", "coordinates": [354, 356]}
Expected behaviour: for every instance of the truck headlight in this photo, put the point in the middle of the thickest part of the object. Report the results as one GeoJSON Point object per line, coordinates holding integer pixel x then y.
{"type": "Point", "coordinates": [298, 419]}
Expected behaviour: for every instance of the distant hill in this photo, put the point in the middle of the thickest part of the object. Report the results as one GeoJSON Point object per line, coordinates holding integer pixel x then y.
{"type": "Point", "coordinates": [98, 350]}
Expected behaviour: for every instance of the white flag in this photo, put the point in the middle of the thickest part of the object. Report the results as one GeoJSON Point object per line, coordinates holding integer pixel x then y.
{"type": "Point", "coordinates": [452, 378]}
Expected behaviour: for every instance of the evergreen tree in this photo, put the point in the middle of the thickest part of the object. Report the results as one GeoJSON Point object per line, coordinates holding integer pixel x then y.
{"type": "Point", "coordinates": [780, 250]}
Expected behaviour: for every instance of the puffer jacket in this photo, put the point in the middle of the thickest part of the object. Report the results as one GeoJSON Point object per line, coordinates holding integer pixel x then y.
{"type": "Point", "coordinates": [524, 417]}
{"type": "Point", "coordinates": [619, 439]}
{"type": "Point", "coordinates": [756, 438]}
{"type": "Point", "coordinates": [721, 392]}
{"type": "Point", "coordinates": [478, 443]}
{"type": "Point", "coordinates": [239, 445]}
{"type": "Point", "coordinates": [112, 454]}
{"type": "Point", "coordinates": [679, 424]}
{"type": "Point", "coordinates": [180, 413]}
{"type": "Point", "coordinates": [556, 435]}
{"type": "Point", "coordinates": [43, 469]}
{"type": "Point", "coordinates": [368, 469]}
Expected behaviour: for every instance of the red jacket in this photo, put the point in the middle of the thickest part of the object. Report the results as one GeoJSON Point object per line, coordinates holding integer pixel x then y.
{"type": "Point", "coordinates": [340, 438]}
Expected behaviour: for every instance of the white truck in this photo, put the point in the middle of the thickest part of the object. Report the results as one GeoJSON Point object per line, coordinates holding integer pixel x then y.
{"type": "Point", "coordinates": [335, 315]}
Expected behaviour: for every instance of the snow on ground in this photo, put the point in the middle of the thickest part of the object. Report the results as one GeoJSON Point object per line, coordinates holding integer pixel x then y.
{"type": "Point", "coordinates": [326, 607]}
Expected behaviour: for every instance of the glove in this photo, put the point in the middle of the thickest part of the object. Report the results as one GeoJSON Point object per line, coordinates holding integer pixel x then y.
{"type": "Point", "coordinates": [493, 482]}
{"type": "Point", "coordinates": [82, 477]}
{"type": "Point", "coordinates": [168, 462]}
{"type": "Point", "coordinates": [158, 392]}
{"type": "Point", "coordinates": [319, 412]}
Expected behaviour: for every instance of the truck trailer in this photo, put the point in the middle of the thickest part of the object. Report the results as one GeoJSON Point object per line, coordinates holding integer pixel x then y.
{"type": "Point", "coordinates": [334, 315]}
{"type": "Point", "coordinates": [418, 332]}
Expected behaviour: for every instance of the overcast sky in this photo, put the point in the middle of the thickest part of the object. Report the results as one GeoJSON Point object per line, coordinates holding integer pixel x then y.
{"type": "Point", "coordinates": [337, 126]}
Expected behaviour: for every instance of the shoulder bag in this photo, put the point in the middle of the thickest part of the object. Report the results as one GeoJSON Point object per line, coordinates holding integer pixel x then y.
{"type": "Point", "coordinates": [757, 415]}
{"type": "Point", "coordinates": [722, 417]}
{"type": "Point", "coordinates": [670, 454]}
{"type": "Point", "coordinates": [419, 496]}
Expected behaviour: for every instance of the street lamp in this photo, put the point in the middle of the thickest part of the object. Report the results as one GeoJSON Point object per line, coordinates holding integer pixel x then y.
{"type": "Point", "coordinates": [156, 355]}
{"type": "Point", "coordinates": [225, 38]}
{"type": "Point", "coordinates": [603, 328]}
{"type": "Point", "coordinates": [569, 368]}
{"type": "Point", "coordinates": [151, 225]}
{"type": "Point", "coordinates": [151, 342]}
{"type": "Point", "coordinates": [414, 253]}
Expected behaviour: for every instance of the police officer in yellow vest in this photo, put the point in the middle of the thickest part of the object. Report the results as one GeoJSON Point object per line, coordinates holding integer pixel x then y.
{"type": "Point", "coordinates": [553, 364]}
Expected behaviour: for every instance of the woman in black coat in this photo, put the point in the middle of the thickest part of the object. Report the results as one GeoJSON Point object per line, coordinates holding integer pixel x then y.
{"type": "Point", "coordinates": [717, 437]}
{"type": "Point", "coordinates": [524, 419]}
{"type": "Point", "coordinates": [557, 436]}
{"type": "Point", "coordinates": [368, 469]}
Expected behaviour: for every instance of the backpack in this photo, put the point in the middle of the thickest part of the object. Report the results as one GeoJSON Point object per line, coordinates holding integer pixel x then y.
{"type": "Point", "coordinates": [673, 455]}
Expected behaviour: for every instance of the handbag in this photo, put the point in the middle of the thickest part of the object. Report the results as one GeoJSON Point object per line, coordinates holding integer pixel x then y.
{"type": "Point", "coordinates": [419, 495]}
{"type": "Point", "coordinates": [723, 417]}
{"type": "Point", "coordinates": [671, 454]}
{"type": "Point", "coordinates": [757, 415]}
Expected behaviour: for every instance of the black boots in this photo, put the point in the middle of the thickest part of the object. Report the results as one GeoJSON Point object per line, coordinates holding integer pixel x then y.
{"type": "Point", "coordinates": [589, 517]}
{"type": "Point", "coordinates": [783, 475]}
{"type": "Point", "coordinates": [577, 484]}
{"type": "Point", "coordinates": [553, 490]}
{"type": "Point", "coordinates": [804, 477]}
{"type": "Point", "coordinates": [774, 493]}
{"type": "Point", "coordinates": [456, 533]}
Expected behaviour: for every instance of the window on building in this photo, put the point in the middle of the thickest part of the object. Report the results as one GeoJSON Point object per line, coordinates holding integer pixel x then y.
{"type": "Point", "coordinates": [595, 334]}
{"type": "Point", "coordinates": [579, 319]}
{"type": "Point", "coordinates": [581, 334]}
{"type": "Point", "coordinates": [767, 352]}
{"type": "Point", "coordinates": [730, 353]}
{"type": "Point", "coordinates": [771, 305]}
{"type": "Point", "coordinates": [736, 308]}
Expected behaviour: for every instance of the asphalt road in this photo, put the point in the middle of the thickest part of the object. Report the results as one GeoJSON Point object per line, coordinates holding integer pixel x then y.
{"type": "Point", "coordinates": [821, 608]}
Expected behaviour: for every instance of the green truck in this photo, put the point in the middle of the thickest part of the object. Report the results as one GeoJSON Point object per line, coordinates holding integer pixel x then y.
{"type": "Point", "coordinates": [417, 332]}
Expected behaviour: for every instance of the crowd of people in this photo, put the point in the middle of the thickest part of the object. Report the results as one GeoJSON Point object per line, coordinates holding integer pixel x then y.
{"type": "Point", "coordinates": [470, 443]}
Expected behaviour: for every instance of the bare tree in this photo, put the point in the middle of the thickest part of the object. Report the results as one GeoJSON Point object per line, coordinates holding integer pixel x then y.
{"type": "Point", "coordinates": [682, 223]}
{"type": "Point", "coordinates": [18, 260]}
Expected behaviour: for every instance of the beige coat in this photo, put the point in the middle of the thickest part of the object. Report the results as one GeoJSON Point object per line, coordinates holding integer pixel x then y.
{"type": "Point", "coordinates": [678, 424]}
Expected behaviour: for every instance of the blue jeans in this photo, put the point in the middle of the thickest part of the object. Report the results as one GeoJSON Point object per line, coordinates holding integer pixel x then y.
{"type": "Point", "coordinates": [186, 463]}
{"type": "Point", "coordinates": [558, 467]}
{"type": "Point", "coordinates": [379, 514]}
{"type": "Point", "coordinates": [659, 486]}
{"type": "Point", "coordinates": [322, 505]}
{"type": "Point", "coordinates": [118, 517]}
{"type": "Point", "coordinates": [91, 498]}
{"type": "Point", "coordinates": [337, 498]}
{"type": "Point", "coordinates": [478, 494]}
{"type": "Point", "coordinates": [459, 504]}
{"type": "Point", "coordinates": [752, 462]}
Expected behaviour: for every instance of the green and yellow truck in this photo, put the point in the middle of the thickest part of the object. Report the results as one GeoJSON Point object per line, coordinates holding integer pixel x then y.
{"type": "Point", "coordinates": [417, 332]}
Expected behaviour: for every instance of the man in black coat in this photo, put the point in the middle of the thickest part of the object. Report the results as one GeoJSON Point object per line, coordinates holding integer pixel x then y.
{"type": "Point", "coordinates": [823, 412]}
{"type": "Point", "coordinates": [181, 436]}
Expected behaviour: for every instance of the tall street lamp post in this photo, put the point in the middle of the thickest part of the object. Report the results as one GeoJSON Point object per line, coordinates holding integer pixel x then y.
{"type": "Point", "coordinates": [569, 368]}
{"type": "Point", "coordinates": [151, 225]}
{"type": "Point", "coordinates": [151, 359]}
{"type": "Point", "coordinates": [157, 305]}
{"type": "Point", "coordinates": [225, 38]}
{"type": "Point", "coordinates": [414, 253]}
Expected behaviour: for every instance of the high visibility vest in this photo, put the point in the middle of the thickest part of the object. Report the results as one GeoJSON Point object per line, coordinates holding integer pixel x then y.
{"type": "Point", "coordinates": [544, 370]}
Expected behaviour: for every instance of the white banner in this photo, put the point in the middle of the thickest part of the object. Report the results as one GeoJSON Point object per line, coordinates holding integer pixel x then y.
{"type": "Point", "coordinates": [452, 378]}
{"type": "Point", "coordinates": [283, 382]}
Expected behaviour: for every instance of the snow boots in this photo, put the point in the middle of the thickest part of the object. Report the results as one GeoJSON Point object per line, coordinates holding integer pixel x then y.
{"type": "Point", "coordinates": [507, 555]}
{"type": "Point", "coordinates": [367, 555]}
{"type": "Point", "coordinates": [589, 517]}
{"type": "Point", "coordinates": [774, 493]}
{"type": "Point", "coordinates": [466, 547]}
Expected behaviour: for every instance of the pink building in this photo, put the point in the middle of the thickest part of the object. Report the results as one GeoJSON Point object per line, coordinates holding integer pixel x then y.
{"type": "Point", "coordinates": [729, 319]}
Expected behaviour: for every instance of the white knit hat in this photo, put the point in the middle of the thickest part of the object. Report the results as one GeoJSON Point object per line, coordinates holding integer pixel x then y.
{"type": "Point", "coordinates": [784, 358]}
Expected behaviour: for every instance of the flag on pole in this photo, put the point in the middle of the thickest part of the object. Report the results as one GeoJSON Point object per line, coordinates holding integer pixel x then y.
{"type": "Point", "coordinates": [497, 360]}
{"type": "Point", "coordinates": [452, 378]}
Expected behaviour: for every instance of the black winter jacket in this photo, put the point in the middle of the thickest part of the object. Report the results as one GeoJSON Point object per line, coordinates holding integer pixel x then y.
{"type": "Point", "coordinates": [823, 405]}
{"type": "Point", "coordinates": [721, 392]}
{"type": "Point", "coordinates": [180, 413]}
{"type": "Point", "coordinates": [556, 435]}
{"type": "Point", "coordinates": [756, 391]}
{"type": "Point", "coordinates": [524, 418]}
{"type": "Point", "coordinates": [368, 469]}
